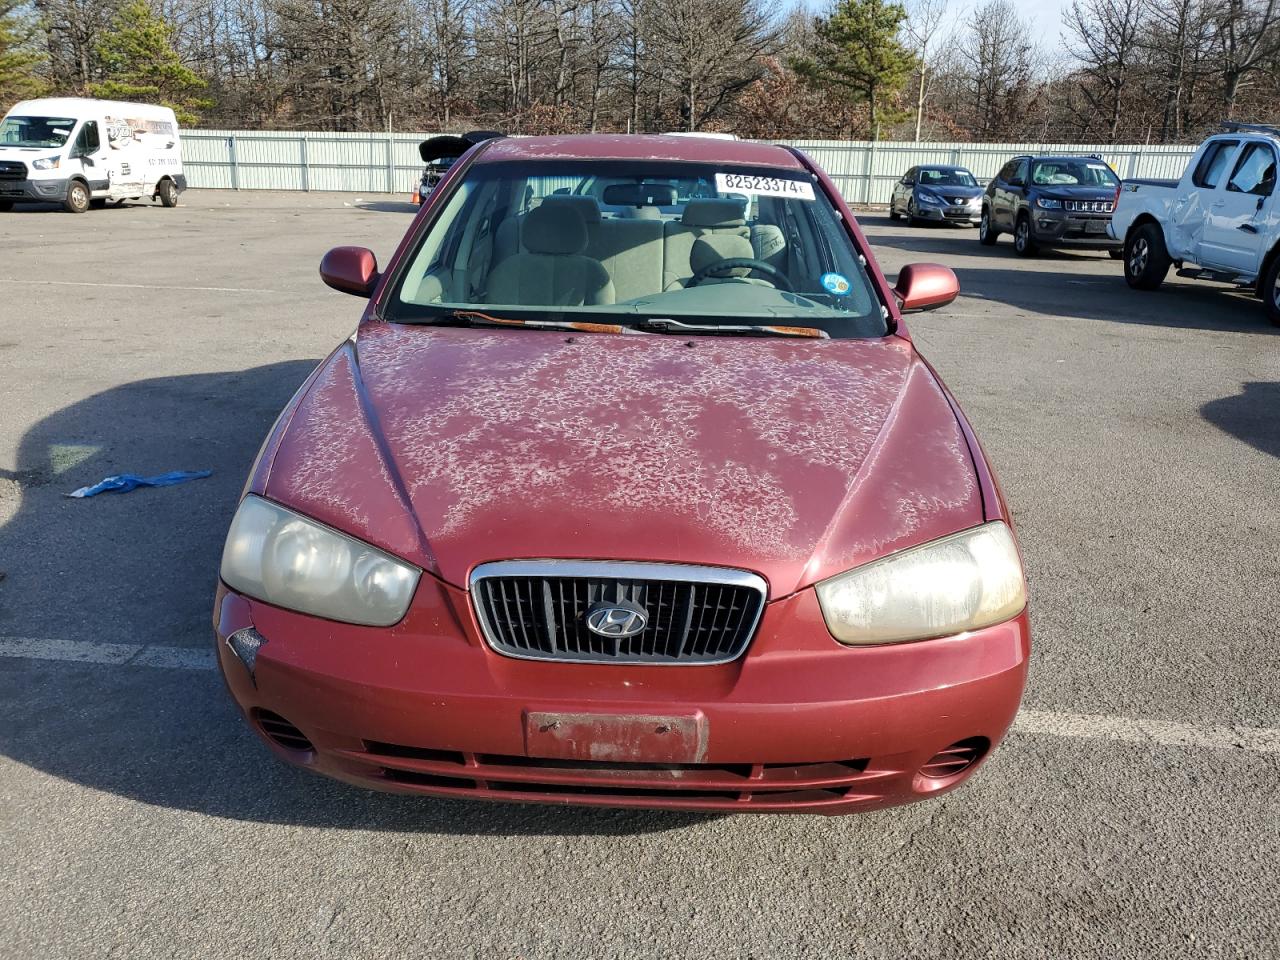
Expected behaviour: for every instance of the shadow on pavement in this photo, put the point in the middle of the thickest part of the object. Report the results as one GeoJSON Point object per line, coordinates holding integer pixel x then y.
{"type": "Point", "coordinates": [1249, 416]}
{"type": "Point", "coordinates": [141, 568]}
{"type": "Point", "coordinates": [389, 206]}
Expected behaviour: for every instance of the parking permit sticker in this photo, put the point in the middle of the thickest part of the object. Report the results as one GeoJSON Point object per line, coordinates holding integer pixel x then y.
{"type": "Point", "coordinates": [835, 283]}
{"type": "Point", "coordinates": [754, 186]}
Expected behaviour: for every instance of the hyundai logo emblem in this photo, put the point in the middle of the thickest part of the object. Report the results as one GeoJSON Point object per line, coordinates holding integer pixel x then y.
{"type": "Point", "coordinates": [616, 620]}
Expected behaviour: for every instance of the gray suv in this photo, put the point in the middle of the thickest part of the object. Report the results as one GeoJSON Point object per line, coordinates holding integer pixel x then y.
{"type": "Point", "coordinates": [1051, 202]}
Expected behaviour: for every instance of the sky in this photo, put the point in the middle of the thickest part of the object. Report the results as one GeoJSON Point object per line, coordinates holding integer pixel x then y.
{"type": "Point", "coordinates": [1045, 17]}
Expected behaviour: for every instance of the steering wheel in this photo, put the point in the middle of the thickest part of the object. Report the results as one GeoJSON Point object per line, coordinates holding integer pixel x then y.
{"type": "Point", "coordinates": [774, 275]}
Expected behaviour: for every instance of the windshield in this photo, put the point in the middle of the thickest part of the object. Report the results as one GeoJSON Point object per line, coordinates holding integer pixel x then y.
{"type": "Point", "coordinates": [946, 178]}
{"type": "Point", "coordinates": [657, 246]}
{"type": "Point", "coordinates": [1073, 173]}
{"type": "Point", "coordinates": [35, 131]}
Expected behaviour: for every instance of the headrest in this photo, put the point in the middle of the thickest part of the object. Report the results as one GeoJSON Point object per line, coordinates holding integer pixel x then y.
{"type": "Point", "coordinates": [713, 212]}
{"type": "Point", "coordinates": [555, 228]}
{"type": "Point", "coordinates": [586, 206]}
{"type": "Point", "coordinates": [639, 195]}
{"type": "Point", "coordinates": [768, 240]}
{"type": "Point", "coordinates": [715, 247]}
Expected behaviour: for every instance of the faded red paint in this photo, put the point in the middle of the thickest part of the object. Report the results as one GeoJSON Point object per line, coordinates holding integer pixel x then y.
{"type": "Point", "coordinates": [793, 458]}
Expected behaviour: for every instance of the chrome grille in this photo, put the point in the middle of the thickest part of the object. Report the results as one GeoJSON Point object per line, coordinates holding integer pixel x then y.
{"type": "Point", "coordinates": [13, 170]}
{"type": "Point", "coordinates": [537, 610]}
{"type": "Point", "coordinates": [1089, 206]}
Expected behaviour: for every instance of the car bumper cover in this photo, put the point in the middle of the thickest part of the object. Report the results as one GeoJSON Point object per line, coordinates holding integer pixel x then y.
{"type": "Point", "coordinates": [799, 723]}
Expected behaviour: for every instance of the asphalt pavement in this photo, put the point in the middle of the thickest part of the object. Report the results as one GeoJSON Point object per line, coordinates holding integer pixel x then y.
{"type": "Point", "coordinates": [1132, 813]}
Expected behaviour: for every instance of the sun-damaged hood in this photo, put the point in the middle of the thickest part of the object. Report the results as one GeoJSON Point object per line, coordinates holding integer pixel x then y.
{"type": "Point", "coordinates": [795, 459]}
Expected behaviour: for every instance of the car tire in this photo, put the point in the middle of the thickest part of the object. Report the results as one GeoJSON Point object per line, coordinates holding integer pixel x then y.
{"type": "Point", "coordinates": [1146, 259]}
{"type": "Point", "coordinates": [1024, 244]}
{"type": "Point", "coordinates": [167, 191]}
{"type": "Point", "coordinates": [894, 215]}
{"type": "Point", "coordinates": [1271, 291]}
{"type": "Point", "coordinates": [6, 206]}
{"type": "Point", "coordinates": [987, 234]}
{"type": "Point", "coordinates": [911, 214]}
{"type": "Point", "coordinates": [78, 197]}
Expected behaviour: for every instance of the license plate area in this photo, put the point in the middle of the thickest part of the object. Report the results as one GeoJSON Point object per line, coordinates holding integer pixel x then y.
{"type": "Point", "coordinates": [1095, 226]}
{"type": "Point", "coordinates": [615, 737]}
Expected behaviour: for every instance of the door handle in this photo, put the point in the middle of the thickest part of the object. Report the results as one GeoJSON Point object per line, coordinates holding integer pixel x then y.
{"type": "Point", "coordinates": [1248, 228]}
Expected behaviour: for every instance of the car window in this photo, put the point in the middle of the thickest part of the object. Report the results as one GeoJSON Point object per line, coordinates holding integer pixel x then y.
{"type": "Point", "coordinates": [1256, 171]}
{"type": "Point", "coordinates": [623, 242]}
{"type": "Point", "coordinates": [1069, 172]}
{"type": "Point", "coordinates": [36, 131]}
{"type": "Point", "coordinates": [1213, 165]}
{"type": "Point", "coordinates": [1007, 171]}
{"type": "Point", "coordinates": [87, 141]}
{"type": "Point", "coordinates": [935, 177]}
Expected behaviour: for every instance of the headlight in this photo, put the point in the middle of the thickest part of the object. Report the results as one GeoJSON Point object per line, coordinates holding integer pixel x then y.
{"type": "Point", "coordinates": [1048, 204]}
{"type": "Point", "coordinates": [285, 559]}
{"type": "Point", "coordinates": [48, 163]}
{"type": "Point", "coordinates": [962, 582]}
{"type": "Point", "coordinates": [928, 198]}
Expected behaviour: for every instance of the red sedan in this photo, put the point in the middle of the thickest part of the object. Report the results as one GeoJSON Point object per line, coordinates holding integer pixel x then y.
{"type": "Point", "coordinates": [630, 489]}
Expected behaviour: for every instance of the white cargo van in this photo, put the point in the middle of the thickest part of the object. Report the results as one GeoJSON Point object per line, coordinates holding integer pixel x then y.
{"type": "Point", "coordinates": [81, 153]}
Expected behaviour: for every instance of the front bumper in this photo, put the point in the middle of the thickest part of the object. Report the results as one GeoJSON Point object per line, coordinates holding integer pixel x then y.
{"type": "Point", "coordinates": [1053, 228]}
{"type": "Point", "coordinates": [961, 214]}
{"type": "Point", "coordinates": [799, 723]}
{"type": "Point", "coordinates": [33, 191]}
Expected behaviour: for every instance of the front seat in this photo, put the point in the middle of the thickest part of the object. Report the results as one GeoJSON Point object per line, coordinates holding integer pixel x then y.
{"type": "Point", "coordinates": [552, 272]}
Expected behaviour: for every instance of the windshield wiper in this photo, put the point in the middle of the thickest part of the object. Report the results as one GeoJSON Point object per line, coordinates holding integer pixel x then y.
{"type": "Point", "coordinates": [475, 318]}
{"type": "Point", "coordinates": [667, 325]}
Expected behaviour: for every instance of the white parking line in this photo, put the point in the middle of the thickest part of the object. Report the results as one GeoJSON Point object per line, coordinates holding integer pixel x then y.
{"type": "Point", "coordinates": [1076, 726]}
{"type": "Point", "coordinates": [132, 286]}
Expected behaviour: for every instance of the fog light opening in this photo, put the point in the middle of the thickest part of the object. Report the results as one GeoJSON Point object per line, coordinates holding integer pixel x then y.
{"type": "Point", "coordinates": [281, 732]}
{"type": "Point", "coordinates": [956, 759]}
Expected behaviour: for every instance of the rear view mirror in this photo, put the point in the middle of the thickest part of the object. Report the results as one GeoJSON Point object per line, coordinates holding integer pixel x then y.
{"type": "Point", "coordinates": [926, 286]}
{"type": "Point", "coordinates": [352, 270]}
{"type": "Point", "coordinates": [639, 195]}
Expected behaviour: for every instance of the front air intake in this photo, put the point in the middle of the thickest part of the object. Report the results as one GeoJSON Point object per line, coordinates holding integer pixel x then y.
{"type": "Point", "coordinates": [281, 732]}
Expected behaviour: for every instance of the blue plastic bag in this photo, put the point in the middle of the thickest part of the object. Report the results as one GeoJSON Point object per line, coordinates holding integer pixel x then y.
{"type": "Point", "coordinates": [124, 482]}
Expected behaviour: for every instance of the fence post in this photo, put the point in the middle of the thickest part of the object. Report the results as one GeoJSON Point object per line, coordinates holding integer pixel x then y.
{"type": "Point", "coordinates": [391, 164]}
{"type": "Point", "coordinates": [235, 168]}
{"type": "Point", "coordinates": [870, 168]}
{"type": "Point", "coordinates": [302, 155]}
{"type": "Point", "coordinates": [1133, 166]}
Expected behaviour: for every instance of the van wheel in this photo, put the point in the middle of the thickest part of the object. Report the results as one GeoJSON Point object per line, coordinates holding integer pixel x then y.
{"type": "Point", "coordinates": [78, 199]}
{"type": "Point", "coordinates": [987, 234]}
{"type": "Point", "coordinates": [1146, 259]}
{"type": "Point", "coordinates": [1023, 243]}
{"type": "Point", "coordinates": [167, 191]}
{"type": "Point", "coordinates": [1271, 291]}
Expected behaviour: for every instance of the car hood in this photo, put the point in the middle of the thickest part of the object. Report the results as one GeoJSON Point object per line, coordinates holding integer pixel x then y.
{"type": "Point", "coordinates": [966, 192]}
{"type": "Point", "coordinates": [1076, 193]}
{"type": "Point", "coordinates": [794, 459]}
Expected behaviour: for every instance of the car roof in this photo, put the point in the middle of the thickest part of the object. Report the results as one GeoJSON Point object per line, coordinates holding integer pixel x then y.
{"type": "Point", "coordinates": [940, 166]}
{"type": "Point", "coordinates": [1065, 156]}
{"type": "Point", "coordinates": [622, 146]}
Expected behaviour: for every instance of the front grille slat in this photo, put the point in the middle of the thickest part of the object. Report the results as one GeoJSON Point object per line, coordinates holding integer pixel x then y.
{"type": "Point", "coordinates": [696, 615]}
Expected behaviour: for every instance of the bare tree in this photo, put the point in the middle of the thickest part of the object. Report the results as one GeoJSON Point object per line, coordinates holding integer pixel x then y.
{"type": "Point", "coordinates": [996, 64]}
{"type": "Point", "coordinates": [924, 21]}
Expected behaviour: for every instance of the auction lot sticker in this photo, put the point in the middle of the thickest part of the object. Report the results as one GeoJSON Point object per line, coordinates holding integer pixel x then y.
{"type": "Point", "coordinates": [755, 186]}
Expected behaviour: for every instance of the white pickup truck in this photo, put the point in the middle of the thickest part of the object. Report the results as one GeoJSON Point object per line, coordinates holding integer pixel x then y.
{"type": "Point", "coordinates": [1220, 222]}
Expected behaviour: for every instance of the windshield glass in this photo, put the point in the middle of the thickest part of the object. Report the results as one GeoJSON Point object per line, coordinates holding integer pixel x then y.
{"type": "Point", "coordinates": [930, 177]}
{"type": "Point", "coordinates": [636, 244]}
{"type": "Point", "coordinates": [35, 131]}
{"type": "Point", "coordinates": [1073, 173]}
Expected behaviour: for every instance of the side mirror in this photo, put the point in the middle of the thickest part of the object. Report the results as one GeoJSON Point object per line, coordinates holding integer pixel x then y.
{"type": "Point", "coordinates": [926, 286]}
{"type": "Point", "coordinates": [352, 270]}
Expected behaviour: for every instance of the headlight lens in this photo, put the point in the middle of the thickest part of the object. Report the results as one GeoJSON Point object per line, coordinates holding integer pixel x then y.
{"type": "Point", "coordinates": [1048, 204]}
{"type": "Point", "coordinates": [48, 163]}
{"type": "Point", "coordinates": [962, 582]}
{"type": "Point", "coordinates": [278, 556]}
{"type": "Point", "coordinates": [928, 198]}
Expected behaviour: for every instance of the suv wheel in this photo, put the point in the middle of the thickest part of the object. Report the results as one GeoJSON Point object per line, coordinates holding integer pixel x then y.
{"type": "Point", "coordinates": [1023, 243]}
{"type": "Point", "coordinates": [167, 191]}
{"type": "Point", "coordinates": [1146, 259]}
{"type": "Point", "coordinates": [1271, 291]}
{"type": "Point", "coordinates": [987, 234]}
{"type": "Point", "coordinates": [78, 197]}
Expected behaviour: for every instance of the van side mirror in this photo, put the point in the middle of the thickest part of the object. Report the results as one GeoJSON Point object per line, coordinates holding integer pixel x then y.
{"type": "Point", "coordinates": [352, 270]}
{"type": "Point", "coordinates": [926, 286]}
